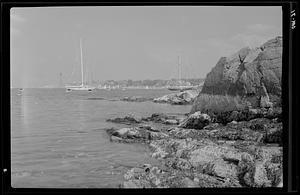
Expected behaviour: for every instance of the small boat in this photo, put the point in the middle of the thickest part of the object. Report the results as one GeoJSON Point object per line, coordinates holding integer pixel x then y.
{"type": "Point", "coordinates": [81, 87]}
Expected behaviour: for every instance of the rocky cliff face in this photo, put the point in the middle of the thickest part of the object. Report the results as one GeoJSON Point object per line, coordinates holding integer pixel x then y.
{"type": "Point", "coordinates": [251, 73]}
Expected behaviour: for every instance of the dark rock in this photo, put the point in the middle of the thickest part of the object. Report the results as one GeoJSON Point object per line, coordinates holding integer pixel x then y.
{"type": "Point", "coordinates": [249, 73]}
{"type": "Point", "coordinates": [128, 120]}
{"type": "Point", "coordinates": [136, 99]}
{"type": "Point", "coordinates": [181, 133]}
{"type": "Point", "coordinates": [150, 128]}
{"type": "Point", "coordinates": [235, 154]}
{"type": "Point", "coordinates": [246, 115]}
{"type": "Point", "coordinates": [212, 126]}
{"type": "Point", "coordinates": [274, 173]}
{"type": "Point", "coordinates": [246, 170]}
{"type": "Point", "coordinates": [196, 121]}
{"type": "Point", "coordinates": [273, 135]}
{"type": "Point", "coordinates": [161, 118]}
{"type": "Point", "coordinates": [135, 134]}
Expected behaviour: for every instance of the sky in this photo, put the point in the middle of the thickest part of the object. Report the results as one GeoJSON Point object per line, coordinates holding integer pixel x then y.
{"type": "Point", "coordinates": [131, 42]}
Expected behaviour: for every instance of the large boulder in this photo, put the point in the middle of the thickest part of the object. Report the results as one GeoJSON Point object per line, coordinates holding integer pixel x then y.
{"type": "Point", "coordinates": [168, 119]}
{"type": "Point", "coordinates": [181, 98]}
{"type": "Point", "coordinates": [251, 73]}
{"type": "Point", "coordinates": [135, 134]}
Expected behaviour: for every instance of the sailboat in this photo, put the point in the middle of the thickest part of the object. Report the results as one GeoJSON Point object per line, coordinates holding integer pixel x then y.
{"type": "Point", "coordinates": [81, 87]}
{"type": "Point", "coordinates": [180, 86]}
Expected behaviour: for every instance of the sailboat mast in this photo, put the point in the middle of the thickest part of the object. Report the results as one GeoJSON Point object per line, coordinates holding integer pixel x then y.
{"type": "Point", "coordinates": [81, 61]}
{"type": "Point", "coordinates": [179, 69]}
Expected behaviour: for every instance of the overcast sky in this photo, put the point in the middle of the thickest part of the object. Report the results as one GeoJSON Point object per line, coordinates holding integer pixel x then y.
{"type": "Point", "coordinates": [131, 42]}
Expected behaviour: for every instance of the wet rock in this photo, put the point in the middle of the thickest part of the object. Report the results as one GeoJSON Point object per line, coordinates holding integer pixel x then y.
{"type": "Point", "coordinates": [115, 139]}
{"type": "Point", "coordinates": [196, 121]}
{"type": "Point", "coordinates": [158, 118]}
{"type": "Point", "coordinates": [136, 99]}
{"type": "Point", "coordinates": [150, 128]}
{"type": "Point", "coordinates": [120, 132]}
{"type": "Point", "coordinates": [128, 120]}
{"type": "Point", "coordinates": [236, 154]}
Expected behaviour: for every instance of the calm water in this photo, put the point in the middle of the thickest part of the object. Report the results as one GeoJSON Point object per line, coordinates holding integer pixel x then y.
{"type": "Point", "coordinates": [58, 138]}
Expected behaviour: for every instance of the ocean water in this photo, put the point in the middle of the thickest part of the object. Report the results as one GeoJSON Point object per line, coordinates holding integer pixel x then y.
{"type": "Point", "coordinates": [58, 139]}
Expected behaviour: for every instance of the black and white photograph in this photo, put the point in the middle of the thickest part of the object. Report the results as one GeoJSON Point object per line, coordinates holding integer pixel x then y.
{"type": "Point", "coordinates": [146, 97]}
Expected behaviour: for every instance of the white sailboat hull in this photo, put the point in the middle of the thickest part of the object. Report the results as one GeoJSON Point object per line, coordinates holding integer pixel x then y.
{"type": "Point", "coordinates": [79, 88]}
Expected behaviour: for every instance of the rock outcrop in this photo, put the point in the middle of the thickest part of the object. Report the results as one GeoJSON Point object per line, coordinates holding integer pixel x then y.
{"type": "Point", "coordinates": [164, 118]}
{"type": "Point", "coordinates": [236, 154]}
{"type": "Point", "coordinates": [196, 121]}
{"type": "Point", "coordinates": [136, 99]}
{"type": "Point", "coordinates": [181, 98]}
{"type": "Point", "coordinates": [191, 158]}
{"type": "Point", "coordinates": [128, 120]}
{"type": "Point", "coordinates": [251, 73]}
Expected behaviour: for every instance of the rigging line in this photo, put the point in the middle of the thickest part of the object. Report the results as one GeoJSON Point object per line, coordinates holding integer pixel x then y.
{"type": "Point", "coordinates": [71, 78]}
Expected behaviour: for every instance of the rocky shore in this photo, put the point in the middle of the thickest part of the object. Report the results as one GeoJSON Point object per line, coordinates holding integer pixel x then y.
{"type": "Point", "coordinates": [136, 99]}
{"type": "Point", "coordinates": [232, 136]}
{"type": "Point", "coordinates": [201, 152]}
{"type": "Point", "coordinates": [180, 98]}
